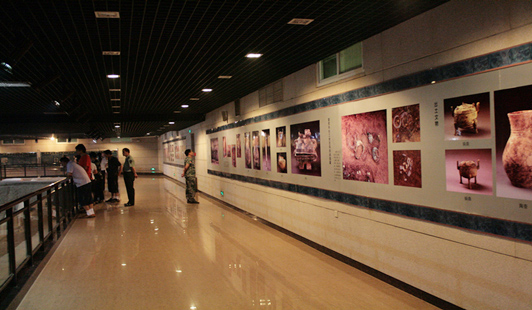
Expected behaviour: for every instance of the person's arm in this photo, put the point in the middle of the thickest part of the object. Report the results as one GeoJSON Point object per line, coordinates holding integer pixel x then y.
{"type": "Point", "coordinates": [185, 169]}
{"type": "Point", "coordinates": [119, 170]}
{"type": "Point", "coordinates": [134, 172]}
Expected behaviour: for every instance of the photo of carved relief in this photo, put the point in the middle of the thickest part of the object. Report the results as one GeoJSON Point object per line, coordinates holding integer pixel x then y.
{"type": "Point", "coordinates": [469, 171]}
{"type": "Point", "coordinates": [365, 147]}
{"type": "Point", "coordinates": [266, 150]}
{"type": "Point", "coordinates": [513, 132]}
{"type": "Point", "coordinates": [467, 117]}
{"type": "Point", "coordinates": [280, 133]}
{"type": "Point", "coordinates": [224, 145]}
{"type": "Point", "coordinates": [238, 146]}
{"type": "Point", "coordinates": [256, 150]}
{"type": "Point", "coordinates": [214, 151]}
{"type": "Point", "coordinates": [305, 147]}
{"type": "Point", "coordinates": [233, 155]}
{"type": "Point", "coordinates": [282, 162]}
{"type": "Point", "coordinates": [406, 125]}
{"type": "Point", "coordinates": [247, 149]}
{"type": "Point", "coordinates": [407, 168]}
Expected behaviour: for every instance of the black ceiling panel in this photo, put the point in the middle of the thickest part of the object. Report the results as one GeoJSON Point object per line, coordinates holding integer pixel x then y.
{"type": "Point", "coordinates": [169, 51]}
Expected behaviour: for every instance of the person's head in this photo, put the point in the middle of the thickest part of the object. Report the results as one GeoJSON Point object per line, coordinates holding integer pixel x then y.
{"type": "Point", "coordinates": [77, 158]}
{"type": "Point", "coordinates": [107, 153]}
{"type": "Point", "coordinates": [93, 155]}
{"type": "Point", "coordinates": [189, 152]}
{"type": "Point", "coordinates": [80, 149]}
{"type": "Point", "coordinates": [64, 161]}
{"type": "Point", "coordinates": [125, 151]}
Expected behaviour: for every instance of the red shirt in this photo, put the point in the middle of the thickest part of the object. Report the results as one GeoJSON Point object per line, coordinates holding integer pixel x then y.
{"type": "Point", "coordinates": [85, 162]}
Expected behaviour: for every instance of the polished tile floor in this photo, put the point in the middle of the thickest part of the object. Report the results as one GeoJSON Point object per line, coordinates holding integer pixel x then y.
{"type": "Point", "coordinates": [166, 254]}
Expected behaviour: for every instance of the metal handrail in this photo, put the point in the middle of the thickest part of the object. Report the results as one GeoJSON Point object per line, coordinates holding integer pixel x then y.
{"type": "Point", "coordinates": [58, 196]}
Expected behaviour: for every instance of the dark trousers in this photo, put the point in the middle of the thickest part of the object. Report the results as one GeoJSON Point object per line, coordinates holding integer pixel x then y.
{"type": "Point", "coordinates": [129, 178]}
{"type": "Point", "coordinates": [97, 190]}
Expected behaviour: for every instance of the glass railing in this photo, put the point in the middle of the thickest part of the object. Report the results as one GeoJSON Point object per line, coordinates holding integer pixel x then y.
{"type": "Point", "coordinates": [30, 170]}
{"type": "Point", "coordinates": [28, 225]}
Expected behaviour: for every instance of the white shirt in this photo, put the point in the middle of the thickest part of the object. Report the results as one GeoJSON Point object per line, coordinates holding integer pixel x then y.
{"type": "Point", "coordinates": [103, 164]}
{"type": "Point", "coordinates": [79, 174]}
{"type": "Point", "coordinates": [94, 170]}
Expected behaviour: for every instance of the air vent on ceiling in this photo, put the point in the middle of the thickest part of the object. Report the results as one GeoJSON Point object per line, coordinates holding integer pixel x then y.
{"type": "Point", "coordinates": [107, 14]}
{"type": "Point", "coordinates": [300, 21]}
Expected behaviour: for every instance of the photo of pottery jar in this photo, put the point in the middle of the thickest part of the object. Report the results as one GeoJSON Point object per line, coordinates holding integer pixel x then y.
{"type": "Point", "coordinates": [517, 155]}
{"type": "Point", "coordinates": [513, 133]}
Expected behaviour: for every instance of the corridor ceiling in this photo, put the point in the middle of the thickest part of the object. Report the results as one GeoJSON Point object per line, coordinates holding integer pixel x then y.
{"type": "Point", "coordinates": [168, 52]}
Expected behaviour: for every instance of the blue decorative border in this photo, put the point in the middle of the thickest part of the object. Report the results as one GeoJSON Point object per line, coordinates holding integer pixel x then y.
{"type": "Point", "coordinates": [504, 228]}
{"type": "Point", "coordinates": [508, 57]}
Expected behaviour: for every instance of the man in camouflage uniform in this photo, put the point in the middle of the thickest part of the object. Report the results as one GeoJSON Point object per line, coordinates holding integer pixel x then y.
{"type": "Point", "coordinates": [190, 176]}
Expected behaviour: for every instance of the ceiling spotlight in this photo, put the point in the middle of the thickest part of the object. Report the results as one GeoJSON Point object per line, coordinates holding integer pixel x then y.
{"type": "Point", "coordinates": [148, 134]}
{"type": "Point", "coordinates": [117, 126]}
{"type": "Point", "coordinates": [253, 55]}
{"type": "Point", "coordinates": [206, 90]}
{"type": "Point", "coordinates": [114, 89]}
{"type": "Point", "coordinates": [57, 103]}
{"type": "Point", "coordinates": [113, 76]}
{"type": "Point", "coordinates": [171, 123]}
{"type": "Point", "coordinates": [224, 76]}
{"type": "Point", "coordinates": [300, 21]}
{"type": "Point", "coordinates": [184, 105]}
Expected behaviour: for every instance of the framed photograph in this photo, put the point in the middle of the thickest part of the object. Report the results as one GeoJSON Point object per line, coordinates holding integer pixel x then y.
{"type": "Point", "coordinates": [305, 146]}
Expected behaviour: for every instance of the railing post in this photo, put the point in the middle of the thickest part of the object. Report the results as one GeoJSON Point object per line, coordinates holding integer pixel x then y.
{"type": "Point", "coordinates": [50, 212]}
{"type": "Point", "coordinates": [11, 244]}
{"type": "Point", "coordinates": [44, 169]}
{"type": "Point", "coordinates": [58, 212]}
{"type": "Point", "coordinates": [27, 230]}
{"type": "Point", "coordinates": [41, 217]}
{"type": "Point", "coordinates": [24, 170]}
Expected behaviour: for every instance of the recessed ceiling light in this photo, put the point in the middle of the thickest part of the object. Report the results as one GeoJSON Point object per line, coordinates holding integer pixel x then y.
{"type": "Point", "coordinates": [253, 55]}
{"type": "Point", "coordinates": [113, 76]}
{"type": "Point", "coordinates": [300, 21]}
{"type": "Point", "coordinates": [177, 111]}
{"type": "Point", "coordinates": [111, 53]}
{"type": "Point", "coordinates": [148, 134]}
{"type": "Point", "coordinates": [225, 77]}
{"type": "Point", "coordinates": [171, 123]}
{"type": "Point", "coordinates": [14, 84]}
{"type": "Point", "coordinates": [114, 89]}
{"type": "Point", "coordinates": [184, 105]}
{"type": "Point", "coordinates": [117, 126]}
{"type": "Point", "coordinates": [206, 90]}
{"type": "Point", "coordinates": [194, 99]}
{"type": "Point", "coordinates": [107, 14]}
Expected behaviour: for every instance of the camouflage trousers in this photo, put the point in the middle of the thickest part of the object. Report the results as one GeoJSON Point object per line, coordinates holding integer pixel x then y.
{"type": "Point", "coordinates": [191, 187]}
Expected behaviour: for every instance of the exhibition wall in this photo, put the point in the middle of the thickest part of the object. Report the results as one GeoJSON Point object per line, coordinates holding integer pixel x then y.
{"type": "Point", "coordinates": [419, 167]}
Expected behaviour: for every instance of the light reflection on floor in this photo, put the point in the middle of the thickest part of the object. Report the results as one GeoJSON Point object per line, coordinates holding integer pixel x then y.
{"type": "Point", "coordinates": [166, 254]}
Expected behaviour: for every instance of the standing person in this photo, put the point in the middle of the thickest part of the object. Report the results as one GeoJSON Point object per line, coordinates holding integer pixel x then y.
{"type": "Point", "coordinates": [82, 182]}
{"type": "Point", "coordinates": [103, 169]}
{"type": "Point", "coordinates": [84, 160]}
{"type": "Point", "coordinates": [189, 172]}
{"type": "Point", "coordinates": [113, 166]}
{"type": "Point", "coordinates": [130, 174]}
{"type": "Point", "coordinates": [97, 189]}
